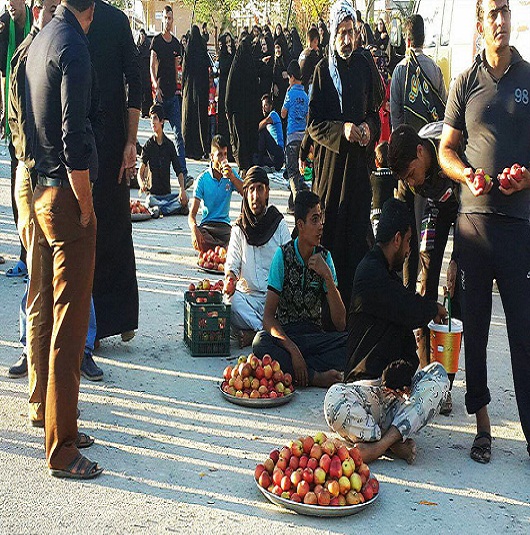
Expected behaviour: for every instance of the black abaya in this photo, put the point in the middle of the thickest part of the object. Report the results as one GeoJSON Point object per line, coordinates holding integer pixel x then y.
{"type": "Point", "coordinates": [114, 57]}
{"type": "Point", "coordinates": [243, 105]}
{"type": "Point", "coordinates": [341, 168]}
{"type": "Point", "coordinates": [195, 88]}
{"type": "Point", "coordinates": [225, 62]}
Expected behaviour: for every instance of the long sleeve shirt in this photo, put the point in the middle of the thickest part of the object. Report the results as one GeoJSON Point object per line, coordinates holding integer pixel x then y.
{"type": "Point", "coordinates": [58, 98]}
{"type": "Point", "coordinates": [251, 264]}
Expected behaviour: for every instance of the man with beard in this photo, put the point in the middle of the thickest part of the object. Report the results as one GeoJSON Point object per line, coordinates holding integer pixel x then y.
{"type": "Point", "coordinates": [257, 234]}
{"type": "Point", "coordinates": [375, 413]}
{"type": "Point", "coordinates": [343, 121]}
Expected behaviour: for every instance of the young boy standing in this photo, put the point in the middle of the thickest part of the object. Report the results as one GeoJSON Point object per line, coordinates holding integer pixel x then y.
{"type": "Point", "coordinates": [295, 108]}
{"type": "Point", "coordinates": [158, 154]}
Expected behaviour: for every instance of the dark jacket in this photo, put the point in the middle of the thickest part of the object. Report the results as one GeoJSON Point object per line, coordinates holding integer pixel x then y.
{"type": "Point", "coordinates": [382, 317]}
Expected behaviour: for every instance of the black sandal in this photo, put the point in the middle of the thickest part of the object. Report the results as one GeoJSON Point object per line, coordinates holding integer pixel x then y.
{"type": "Point", "coordinates": [79, 468]}
{"type": "Point", "coordinates": [83, 440]}
{"type": "Point", "coordinates": [481, 448]}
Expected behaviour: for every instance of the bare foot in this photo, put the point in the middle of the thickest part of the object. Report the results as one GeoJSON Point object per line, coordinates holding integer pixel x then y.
{"type": "Point", "coordinates": [370, 451]}
{"type": "Point", "coordinates": [405, 450]}
{"type": "Point", "coordinates": [326, 379]}
{"type": "Point", "coordinates": [245, 338]}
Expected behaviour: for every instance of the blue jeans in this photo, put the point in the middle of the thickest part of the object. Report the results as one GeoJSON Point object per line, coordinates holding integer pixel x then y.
{"type": "Point", "coordinates": [91, 334]}
{"type": "Point", "coordinates": [173, 114]}
{"type": "Point", "coordinates": [168, 204]}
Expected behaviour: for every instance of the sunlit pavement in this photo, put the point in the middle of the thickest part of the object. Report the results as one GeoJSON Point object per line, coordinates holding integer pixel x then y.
{"type": "Point", "coordinates": [177, 457]}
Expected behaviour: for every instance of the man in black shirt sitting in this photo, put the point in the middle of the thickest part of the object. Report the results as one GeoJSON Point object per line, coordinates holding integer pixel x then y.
{"type": "Point", "coordinates": [383, 314]}
{"type": "Point", "coordinates": [157, 155]}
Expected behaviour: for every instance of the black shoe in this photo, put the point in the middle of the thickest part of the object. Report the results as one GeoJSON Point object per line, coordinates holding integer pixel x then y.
{"type": "Point", "coordinates": [90, 370]}
{"type": "Point", "coordinates": [20, 368]}
{"type": "Point", "coordinates": [188, 181]}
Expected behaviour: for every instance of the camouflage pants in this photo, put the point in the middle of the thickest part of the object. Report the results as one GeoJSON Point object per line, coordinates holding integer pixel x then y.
{"type": "Point", "coordinates": [363, 411]}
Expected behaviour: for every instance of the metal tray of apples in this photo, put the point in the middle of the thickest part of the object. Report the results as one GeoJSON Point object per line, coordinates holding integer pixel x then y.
{"type": "Point", "coordinates": [259, 403]}
{"type": "Point", "coordinates": [322, 511]}
{"type": "Point", "coordinates": [211, 271]}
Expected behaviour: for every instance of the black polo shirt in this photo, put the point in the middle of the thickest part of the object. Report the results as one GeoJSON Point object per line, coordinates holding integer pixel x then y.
{"type": "Point", "coordinates": [495, 118]}
{"type": "Point", "coordinates": [58, 98]}
{"type": "Point", "coordinates": [159, 158]}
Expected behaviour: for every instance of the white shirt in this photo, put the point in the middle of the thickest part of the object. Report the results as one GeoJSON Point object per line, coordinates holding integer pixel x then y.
{"type": "Point", "coordinates": [250, 263]}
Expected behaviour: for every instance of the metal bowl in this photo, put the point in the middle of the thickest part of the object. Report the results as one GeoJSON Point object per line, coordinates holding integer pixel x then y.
{"type": "Point", "coordinates": [322, 511]}
{"type": "Point", "coordinates": [259, 403]}
{"type": "Point", "coordinates": [140, 217]}
{"type": "Point", "coordinates": [211, 271]}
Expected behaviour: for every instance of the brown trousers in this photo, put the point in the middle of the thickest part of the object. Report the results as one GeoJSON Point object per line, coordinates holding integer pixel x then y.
{"type": "Point", "coordinates": [27, 232]}
{"type": "Point", "coordinates": [215, 233]}
{"type": "Point", "coordinates": [67, 272]}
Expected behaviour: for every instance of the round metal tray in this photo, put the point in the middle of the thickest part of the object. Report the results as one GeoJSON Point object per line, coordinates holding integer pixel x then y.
{"type": "Point", "coordinates": [259, 403]}
{"type": "Point", "coordinates": [212, 271]}
{"type": "Point", "coordinates": [140, 217]}
{"type": "Point", "coordinates": [316, 510]}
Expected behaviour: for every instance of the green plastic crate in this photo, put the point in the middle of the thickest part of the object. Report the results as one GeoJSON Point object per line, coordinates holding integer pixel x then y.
{"type": "Point", "coordinates": [206, 325]}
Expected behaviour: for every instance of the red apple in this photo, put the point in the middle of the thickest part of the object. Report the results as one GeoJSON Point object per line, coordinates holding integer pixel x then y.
{"type": "Point", "coordinates": [273, 395]}
{"type": "Point", "coordinates": [285, 453]}
{"type": "Point", "coordinates": [294, 462]}
{"type": "Point", "coordinates": [318, 489]}
{"type": "Point", "coordinates": [267, 370]}
{"type": "Point", "coordinates": [355, 454]}
{"type": "Point", "coordinates": [266, 360]}
{"type": "Point", "coordinates": [307, 475]}
{"type": "Point", "coordinates": [344, 485]}
{"type": "Point", "coordinates": [296, 477]}
{"type": "Point", "coordinates": [275, 365]}
{"type": "Point", "coordinates": [312, 463]}
{"type": "Point", "coordinates": [288, 471]}
{"type": "Point", "coordinates": [374, 483]}
{"type": "Point", "coordinates": [324, 497]}
{"type": "Point", "coordinates": [364, 470]}
{"type": "Point", "coordinates": [277, 377]}
{"type": "Point", "coordinates": [264, 480]}
{"type": "Point", "coordinates": [296, 498]}
{"type": "Point", "coordinates": [343, 453]}
{"type": "Point", "coordinates": [342, 500]}
{"type": "Point", "coordinates": [259, 373]}
{"type": "Point", "coordinates": [316, 452]}
{"type": "Point", "coordinates": [277, 476]}
{"type": "Point", "coordinates": [368, 492]}
{"type": "Point", "coordinates": [319, 476]}
{"type": "Point", "coordinates": [352, 498]}
{"type": "Point", "coordinates": [282, 463]}
{"type": "Point", "coordinates": [308, 444]}
{"type": "Point", "coordinates": [329, 447]}
{"type": "Point", "coordinates": [325, 462]}
{"type": "Point", "coordinates": [333, 487]}
{"type": "Point", "coordinates": [274, 455]}
{"type": "Point", "coordinates": [310, 498]}
{"type": "Point", "coordinates": [258, 471]}
{"type": "Point", "coordinates": [334, 502]}
{"type": "Point", "coordinates": [269, 465]}
{"type": "Point", "coordinates": [288, 380]}
{"type": "Point", "coordinates": [302, 488]}
{"type": "Point", "coordinates": [303, 461]}
{"type": "Point", "coordinates": [277, 490]}
{"type": "Point", "coordinates": [285, 483]}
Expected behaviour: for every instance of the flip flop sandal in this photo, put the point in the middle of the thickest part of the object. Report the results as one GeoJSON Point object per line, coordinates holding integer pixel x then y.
{"type": "Point", "coordinates": [18, 270]}
{"type": "Point", "coordinates": [481, 448]}
{"type": "Point", "coordinates": [79, 468]}
{"type": "Point", "coordinates": [83, 440]}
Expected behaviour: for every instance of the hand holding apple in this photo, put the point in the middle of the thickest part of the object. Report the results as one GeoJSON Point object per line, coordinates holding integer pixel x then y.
{"type": "Point", "coordinates": [514, 179]}
{"type": "Point", "coordinates": [477, 182]}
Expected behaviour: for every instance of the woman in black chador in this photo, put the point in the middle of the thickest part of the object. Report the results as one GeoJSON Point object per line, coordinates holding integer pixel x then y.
{"type": "Point", "coordinates": [195, 87]}
{"type": "Point", "coordinates": [243, 105]}
{"type": "Point", "coordinates": [226, 56]}
{"type": "Point", "coordinates": [280, 79]}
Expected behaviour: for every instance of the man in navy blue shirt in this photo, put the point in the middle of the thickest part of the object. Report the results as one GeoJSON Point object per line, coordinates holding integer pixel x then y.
{"type": "Point", "coordinates": [60, 138]}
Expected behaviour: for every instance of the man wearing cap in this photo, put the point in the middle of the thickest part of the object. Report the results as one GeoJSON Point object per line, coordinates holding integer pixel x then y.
{"type": "Point", "coordinates": [257, 234]}
{"type": "Point", "coordinates": [343, 122]}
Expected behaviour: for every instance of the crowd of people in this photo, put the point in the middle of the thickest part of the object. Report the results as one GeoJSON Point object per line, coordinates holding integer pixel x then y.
{"type": "Point", "coordinates": [324, 300]}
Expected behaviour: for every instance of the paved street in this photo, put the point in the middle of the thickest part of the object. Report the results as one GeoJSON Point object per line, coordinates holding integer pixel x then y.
{"type": "Point", "coordinates": [178, 458]}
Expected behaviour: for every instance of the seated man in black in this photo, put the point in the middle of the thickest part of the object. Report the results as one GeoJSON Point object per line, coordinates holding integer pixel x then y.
{"type": "Point", "coordinates": [301, 275]}
{"type": "Point", "coordinates": [365, 410]}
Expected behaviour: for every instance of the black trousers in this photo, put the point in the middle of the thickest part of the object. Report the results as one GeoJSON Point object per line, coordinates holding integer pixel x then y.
{"type": "Point", "coordinates": [491, 247]}
{"type": "Point", "coordinates": [322, 351]}
{"type": "Point", "coordinates": [270, 154]}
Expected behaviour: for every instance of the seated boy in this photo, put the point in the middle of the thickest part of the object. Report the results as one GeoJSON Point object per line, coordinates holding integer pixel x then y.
{"type": "Point", "coordinates": [270, 137]}
{"type": "Point", "coordinates": [214, 188]}
{"type": "Point", "coordinates": [158, 154]}
{"type": "Point", "coordinates": [382, 318]}
{"type": "Point", "coordinates": [301, 275]}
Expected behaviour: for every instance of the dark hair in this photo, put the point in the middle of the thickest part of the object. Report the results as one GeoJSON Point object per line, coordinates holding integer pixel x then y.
{"type": "Point", "coordinates": [158, 110]}
{"type": "Point", "coordinates": [305, 201]}
{"type": "Point", "coordinates": [142, 31]}
{"type": "Point", "coordinates": [415, 30]}
{"type": "Point", "coordinates": [398, 375]}
{"type": "Point", "coordinates": [403, 148]}
{"type": "Point", "coordinates": [168, 9]}
{"type": "Point", "coordinates": [80, 5]}
{"type": "Point", "coordinates": [266, 97]}
{"type": "Point", "coordinates": [381, 154]}
{"type": "Point", "coordinates": [395, 217]}
{"type": "Point", "coordinates": [204, 24]}
{"type": "Point", "coordinates": [293, 69]}
{"type": "Point", "coordinates": [479, 9]}
{"type": "Point", "coordinates": [312, 34]}
{"type": "Point", "coordinates": [219, 142]}
{"type": "Point", "coordinates": [358, 15]}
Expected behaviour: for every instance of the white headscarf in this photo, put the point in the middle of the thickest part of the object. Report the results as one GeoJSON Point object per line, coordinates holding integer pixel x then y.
{"type": "Point", "coordinates": [340, 10]}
